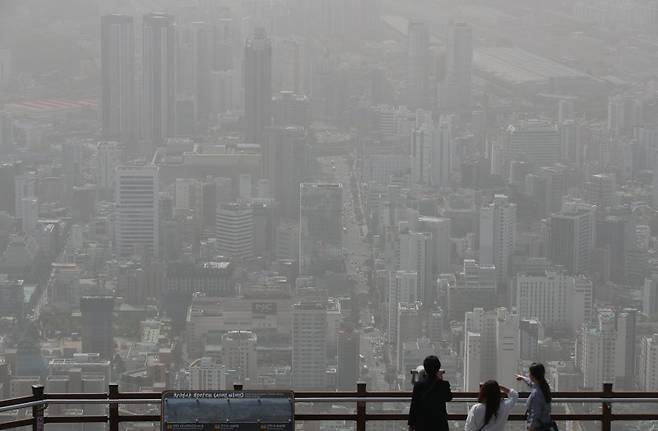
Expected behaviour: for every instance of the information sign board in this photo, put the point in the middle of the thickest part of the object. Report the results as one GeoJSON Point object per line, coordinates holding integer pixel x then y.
{"type": "Point", "coordinates": [228, 411]}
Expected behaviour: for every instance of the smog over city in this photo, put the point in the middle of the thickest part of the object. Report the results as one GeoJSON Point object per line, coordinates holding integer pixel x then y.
{"type": "Point", "coordinates": [305, 201]}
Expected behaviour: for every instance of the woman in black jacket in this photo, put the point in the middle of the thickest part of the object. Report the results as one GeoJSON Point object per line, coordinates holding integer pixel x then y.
{"type": "Point", "coordinates": [429, 398]}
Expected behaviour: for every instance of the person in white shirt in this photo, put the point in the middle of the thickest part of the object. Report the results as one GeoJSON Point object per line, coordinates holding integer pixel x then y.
{"type": "Point", "coordinates": [491, 411]}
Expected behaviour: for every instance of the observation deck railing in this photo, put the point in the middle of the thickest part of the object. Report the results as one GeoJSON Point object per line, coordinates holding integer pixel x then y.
{"type": "Point", "coordinates": [39, 401]}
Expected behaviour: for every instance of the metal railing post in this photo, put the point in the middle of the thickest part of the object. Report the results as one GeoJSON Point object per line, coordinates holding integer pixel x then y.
{"type": "Point", "coordinates": [37, 411]}
{"type": "Point", "coordinates": [361, 391]}
{"type": "Point", "coordinates": [606, 408]}
{"type": "Point", "coordinates": [113, 413]}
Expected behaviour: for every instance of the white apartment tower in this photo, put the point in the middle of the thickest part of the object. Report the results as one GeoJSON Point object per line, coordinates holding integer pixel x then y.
{"type": "Point", "coordinates": [136, 210]}
{"type": "Point", "coordinates": [648, 372]}
{"type": "Point", "coordinates": [498, 235]}
{"type": "Point", "coordinates": [497, 346]}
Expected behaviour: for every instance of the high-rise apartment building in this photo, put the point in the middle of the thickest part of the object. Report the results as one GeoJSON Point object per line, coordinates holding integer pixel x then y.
{"type": "Point", "coordinates": [491, 346]}
{"type": "Point", "coordinates": [206, 374]}
{"type": "Point", "coordinates": [136, 210]}
{"type": "Point", "coordinates": [498, 235]}
{"type": "Point", "coordinates": [239, 355]}
{"type": "Point", "coordinates": [118, 113]}
{"type": "Point", "coordinates": [648, 363]}
{"type": "Point", "coordinates": [555, 299]}
{"type": "Point", "coordinates": [159, 78]}
{"type": "Point", "coordinates": [320, 227]}
{"type": "Point", "coordinates": [309, 345]}
{"type": "Point", "coordinates": [257, 86]}
{"type": "Point", "coordinates": [596, 351]}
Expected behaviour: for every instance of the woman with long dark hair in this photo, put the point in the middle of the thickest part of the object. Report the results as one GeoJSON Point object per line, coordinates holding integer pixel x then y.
{"type": "Point", "coordinates": [491, 411]}
{"type": "Point", "coordinates": [538, 407]}
{"type": "Point", "coordinates": [428, 400]}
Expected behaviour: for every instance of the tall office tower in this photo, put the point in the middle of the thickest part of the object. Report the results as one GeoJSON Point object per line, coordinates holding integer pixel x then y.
{"type": "Point", "coordinates": [624, 113]}
{"type": "Point", "coordinates": [309, 345]}
{"type": "Point", "coordinates": [456, 90]}
{"type": "Point", "coordinates": [421, 155]}
{"type": "Point", "coordinates": [498, 235]}
{"type": "Point", "coordinates": [431, 153]}
{"type": "Point", "coordinates": [239, 355]}
{"type": "Point", "coordinates": [29, 214]}
{"type": "Point", "coordinates": [650, 296]}
{"type": "Point", "coordinates": [654, 195]}
{"type": "Point", "coordinates": [108, 157]}
{"type": "Point", "coordinates": [137, 221]}
{"type": "Point", "coordinates": [596, 351]}
{"type": "Point", "coordinates": [625, 348]}
{"type": "Point", "coordinates": [557, 300]}
{"type": "Point", "coordinates": [235, 230]}
{"type": "Point", "coordinates": [439, 227]}
{"type": "Point", "coordinates": [257, 86]}
{"type": "Point", "coordinates": [417, 255]}
{"type": "Point", "coordinates": [287, 65]}
{"type": "Point", "coordinates": [348, 358]}
{"type": "Point", "coordinates": [159, 79]}
{"type": "Point", "coordinates": [648, 363]}
{"type": "Point", "coordinates": [284, 164]}
{"type": "Point", "coordinates": [530, 332]}
{"type": "Point", "coordinates": [571, 237]}
{"type": "Point", "coordinates": [600, 190]}
{"type": "Point", "coordinates": [25, 186]}
{"type": "Point", "coordinates": [119, 119]}
{"type": "Point", "coordinates": [573, 137]}
{"type": "Point", "coordinates": [473, 288]}
{"type": "Point", "coordinates": [552, 187]}
{"type": "Point", "coordinates": [418, 58]}
{"type": "Point", "coordinates": [96, 323]}
{"type": "Point", "coordinates": [534, 141]}
{"type": "Point", "coordinates": [8, 190]}
{"type": "Point", "coordinates": [201, 66]}
{"type": "Point", "coordinates": [320, 228]}
{"type": "Point", "coordinates": [403, 287]}
{"type": "Point", "coordinates": [223, 41]}
{"type": "Point", "coordinates": [6, 132]}
{"type": "Point", "coordinates": [410, 324]}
